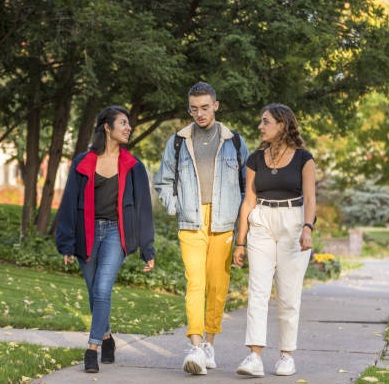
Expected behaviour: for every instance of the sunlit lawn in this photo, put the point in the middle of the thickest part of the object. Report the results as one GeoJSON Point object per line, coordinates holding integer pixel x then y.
{"type": "Point", "coordinates": [45, 300]}
{"type": "Point", "coordinates": [54, 301]}
{"type": "Point", "coordinates": [22, 362]}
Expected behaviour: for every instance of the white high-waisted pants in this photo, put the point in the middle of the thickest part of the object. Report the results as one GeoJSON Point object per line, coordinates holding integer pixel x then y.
{"type": "Point", "coordinates": [274, 251]}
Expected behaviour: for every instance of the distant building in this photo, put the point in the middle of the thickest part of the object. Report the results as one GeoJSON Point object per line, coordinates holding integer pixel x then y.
{"type": "Point", "coordinates": [9, 171]}
{"type": "Point", "coordinates": [11, 183]}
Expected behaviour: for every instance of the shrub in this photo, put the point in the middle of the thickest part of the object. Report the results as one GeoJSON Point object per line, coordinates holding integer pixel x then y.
{"type": "Point", "coordinates": [323, 266]}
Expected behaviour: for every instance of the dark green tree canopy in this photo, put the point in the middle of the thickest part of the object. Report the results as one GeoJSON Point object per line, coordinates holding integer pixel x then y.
{"type": "Point", "coordinates": [63, 60]}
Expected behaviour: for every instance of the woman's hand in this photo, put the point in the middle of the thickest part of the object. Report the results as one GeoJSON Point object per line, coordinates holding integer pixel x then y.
{"type": "Point", "coordinates": [149, 266]}
{"type": "Point", "coordinates": [239, 255]}
{"type": "Point", "coordinates": [306, 239]}
{"type": "Point", "coordinates": [68, 259]}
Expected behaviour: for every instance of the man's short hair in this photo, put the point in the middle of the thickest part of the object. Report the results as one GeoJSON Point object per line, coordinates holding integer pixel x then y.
{"type": "Point", "coordinates": [202, 88]}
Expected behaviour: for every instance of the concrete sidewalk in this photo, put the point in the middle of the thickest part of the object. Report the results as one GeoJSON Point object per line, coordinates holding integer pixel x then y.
{"type": "Point", "coordinates": [342, 333]}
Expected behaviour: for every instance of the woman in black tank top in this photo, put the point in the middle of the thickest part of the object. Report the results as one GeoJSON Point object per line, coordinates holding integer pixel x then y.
{"type": "Point", "coordinates": [276, 217]}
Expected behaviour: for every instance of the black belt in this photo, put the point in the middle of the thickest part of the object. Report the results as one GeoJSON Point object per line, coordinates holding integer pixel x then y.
{"type": "Point", "coordinates": [282, 203]}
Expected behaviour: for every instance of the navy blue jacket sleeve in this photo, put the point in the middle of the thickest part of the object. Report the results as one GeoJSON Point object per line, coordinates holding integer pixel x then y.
{"type": "Point", "coordinates": [65, 235]}
{"type": "Point", "coordinates": [143, 212]}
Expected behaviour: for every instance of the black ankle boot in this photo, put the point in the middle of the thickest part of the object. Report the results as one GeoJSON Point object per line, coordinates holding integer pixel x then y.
{"type": "Point", "coordinates": [90, 361]}
{"type": "Point", "coordinates": [108, 351]}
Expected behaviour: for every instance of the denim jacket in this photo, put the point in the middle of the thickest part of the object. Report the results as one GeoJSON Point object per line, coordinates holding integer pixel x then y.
{"type": "Point", "coordinates": [226, 197]}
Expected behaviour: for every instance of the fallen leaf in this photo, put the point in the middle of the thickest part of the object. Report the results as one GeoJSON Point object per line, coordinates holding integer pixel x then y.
{"type": "Point", "coordinates": [370, 379]}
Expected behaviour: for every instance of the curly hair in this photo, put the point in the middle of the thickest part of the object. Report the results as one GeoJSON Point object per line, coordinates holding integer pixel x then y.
{"type": "Point", "coordinates": [291, 134]}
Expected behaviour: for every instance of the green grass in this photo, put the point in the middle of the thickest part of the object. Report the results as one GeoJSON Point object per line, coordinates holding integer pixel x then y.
{"type": "Point", "coordinates": [376, 242]}
{"type": "Point", "coordinates": [374, 375]}
{"type": "Point", "coordinates": [22, 362]}
{"type": "Point", "coordinates": [56, 301]}
{"type": "Point", "coordinates": [31, 298]}
{"type": "Point", "coordinates": [379, 236]}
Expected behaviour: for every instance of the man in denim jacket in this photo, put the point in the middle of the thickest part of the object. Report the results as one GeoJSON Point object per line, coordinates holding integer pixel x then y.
{"type": "Point", "coordinates": [206, 200]}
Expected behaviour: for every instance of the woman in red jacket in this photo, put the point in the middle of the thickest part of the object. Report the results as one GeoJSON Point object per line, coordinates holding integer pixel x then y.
{"type": "Point", "coordinates": [105, 214]}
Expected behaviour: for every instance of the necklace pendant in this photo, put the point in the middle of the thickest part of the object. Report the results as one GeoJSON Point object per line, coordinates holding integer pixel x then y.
{"type": "Point", "coordinates": [274, 171]}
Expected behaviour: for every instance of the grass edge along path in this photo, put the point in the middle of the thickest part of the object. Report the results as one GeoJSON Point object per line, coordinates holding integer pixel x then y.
{"type": "Point", "coordinates": [379, 373]}
{"type": "Point", "coordinates": [38, 299]}
{"type": "Point", "coordinates": [47, 300]}
{"type": "Point", "coordinates": [24, 362]}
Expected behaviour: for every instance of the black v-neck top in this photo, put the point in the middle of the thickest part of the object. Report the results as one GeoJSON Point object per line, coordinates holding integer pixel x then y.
{"type": "Point", "coordinates": [106, 197]}
{"type": "Point", "coordinates": [286, 183]}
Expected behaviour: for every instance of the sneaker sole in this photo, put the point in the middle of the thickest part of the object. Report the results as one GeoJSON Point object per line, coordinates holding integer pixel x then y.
{"type": "Point", "coordinates": [242, 371]}
{"type": "Point", "coordinates": [193, 368]}
{"type": "Point", "coordinates": [107, 361]}
{"type": "Point", "coordinates": [210, 364]}
{"type": "Point", "coordinates": [285, 373]}
{"type": "Point", "coordinates": [91, 370]}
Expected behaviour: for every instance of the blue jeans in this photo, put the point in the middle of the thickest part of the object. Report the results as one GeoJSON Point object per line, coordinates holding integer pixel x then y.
{"type": "Point", "coordinates": [100, 275]}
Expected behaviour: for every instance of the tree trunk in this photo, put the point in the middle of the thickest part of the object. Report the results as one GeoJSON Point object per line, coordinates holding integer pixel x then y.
{"type": "Point", "coordinates": [86, 124]}
{"type": "Point", "coordinates": [32, 164]}
{"type": "Point", "coordinates": [62, 108]}
{"type": "Point", "coordinates": [84, 135]}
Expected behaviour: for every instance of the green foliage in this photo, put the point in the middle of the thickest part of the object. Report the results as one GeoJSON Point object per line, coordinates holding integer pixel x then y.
{"type": "Point", "coordinates": [367, 146]}
{"type": "Point", "coordinates": [365, 205]}
{"type": "Point", "coordinates": [23, 362]}
{"type": "Point", "coordinates": [168, 273]}
{"type": "Point", "coordinates": [326, 270]}
{"type": "Point", "coordinates": [79, 54]}
{"type": "Point", "coordinates": [323, 65]}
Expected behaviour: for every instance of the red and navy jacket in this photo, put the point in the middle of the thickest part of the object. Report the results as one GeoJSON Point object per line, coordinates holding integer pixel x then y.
{"type": "Point", "coordinates": [76, 220]}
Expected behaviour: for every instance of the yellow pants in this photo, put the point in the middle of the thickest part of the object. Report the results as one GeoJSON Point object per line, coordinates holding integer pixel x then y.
{"type": "Point", "coordinates": [207, 261]}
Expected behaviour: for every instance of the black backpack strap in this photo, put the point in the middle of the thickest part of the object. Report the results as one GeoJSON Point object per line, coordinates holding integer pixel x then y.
{"type": "Point", "coordinates": [177, 147]}
{"type": "Point", "coordinates": [236, 141]}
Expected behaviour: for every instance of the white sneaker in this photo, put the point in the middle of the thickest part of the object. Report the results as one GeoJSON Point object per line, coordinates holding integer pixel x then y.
{"type": "Point", "coordinates": [209, 355]}
{"type": "Point", "coordinates": [252, 365]}
{"type": "Point", "coordinates": [194, 361]}
{"type": "Point", "coordinates": [285, 365]}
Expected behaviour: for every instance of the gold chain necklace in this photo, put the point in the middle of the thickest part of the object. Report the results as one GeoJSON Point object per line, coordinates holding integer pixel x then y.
{"type": "Point", "coordinates": [213, 136]}
{"type": "Point", "coordinates": [274, 171]}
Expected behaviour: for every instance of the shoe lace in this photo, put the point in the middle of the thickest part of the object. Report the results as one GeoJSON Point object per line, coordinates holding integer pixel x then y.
{"type": "Point", "coordinates": [250, 358]}
{"type": "Point", "coordinates": [284, 357]}
{"type": "Point", "coordinates": [192, 349]}
{"type": "Point", "coordinates": [208, 350]}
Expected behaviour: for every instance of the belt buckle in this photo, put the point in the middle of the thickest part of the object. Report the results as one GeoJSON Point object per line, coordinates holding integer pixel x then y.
{"type": "Point", "coordinates": [274, 204]}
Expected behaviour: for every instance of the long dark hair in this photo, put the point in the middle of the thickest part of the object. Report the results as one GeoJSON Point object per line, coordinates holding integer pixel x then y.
{"type": "Point", "coordinates": [291, 134]}
{"type": "Point", "coordinates": [106, 116]}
